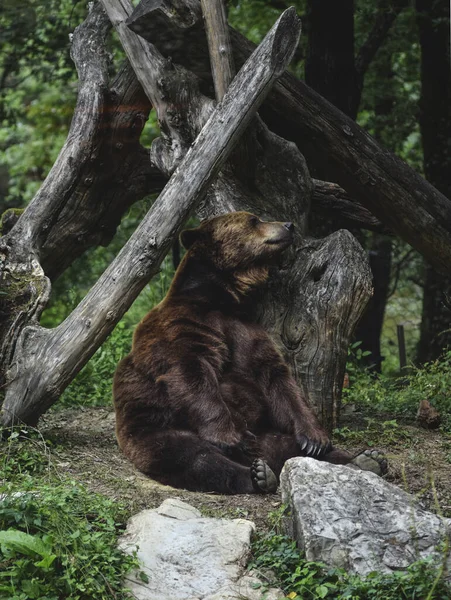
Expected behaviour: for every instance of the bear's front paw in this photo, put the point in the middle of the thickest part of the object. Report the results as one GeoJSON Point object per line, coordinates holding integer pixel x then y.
{"type": "Point", "coordinates": [263, 478]}
{"type": "Point", "coordinates": [315, 447]}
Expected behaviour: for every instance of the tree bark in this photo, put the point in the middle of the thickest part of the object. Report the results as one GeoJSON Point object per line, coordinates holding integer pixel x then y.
{"type": "Point", "coordinates": [220, 49]}
{"type": "Point", "coordinates": [45, 361]}
{"type": "Point", "coordinates": [332, 200]}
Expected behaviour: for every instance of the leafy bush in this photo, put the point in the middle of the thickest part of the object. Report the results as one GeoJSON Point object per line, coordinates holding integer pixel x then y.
{"type": "Point", "coordinates": [93, 384]}
{"type": "Point", "coordinates": [57, 539]}
{"type": "Point", "coordinates": [401, 396]}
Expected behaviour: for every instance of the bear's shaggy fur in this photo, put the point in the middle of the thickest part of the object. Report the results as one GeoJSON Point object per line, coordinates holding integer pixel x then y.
{"type": "Point", "coordinates": [205, 401]}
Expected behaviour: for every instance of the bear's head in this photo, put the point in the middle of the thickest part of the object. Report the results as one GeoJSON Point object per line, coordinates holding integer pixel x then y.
{"type": "Point", "coordinates": [240, 245]}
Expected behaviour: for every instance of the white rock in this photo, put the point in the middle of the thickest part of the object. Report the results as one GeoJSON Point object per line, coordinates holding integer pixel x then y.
{"type": "Point", "coordinates": [190, 557]}
{"type": "Point", "coordinates": [355, 519]}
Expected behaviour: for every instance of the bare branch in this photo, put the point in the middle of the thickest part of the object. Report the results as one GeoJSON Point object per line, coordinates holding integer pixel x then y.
{"type": "Point", "coordinates": [329, 198]}
{"type": "Point", "coordinates": [221, 58]}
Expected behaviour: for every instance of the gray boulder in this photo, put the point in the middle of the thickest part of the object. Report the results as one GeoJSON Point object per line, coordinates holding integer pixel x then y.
{"type": "Point", "coordinates": [355, 520]}
{"type": "Point", "coordinates": [190, 557]}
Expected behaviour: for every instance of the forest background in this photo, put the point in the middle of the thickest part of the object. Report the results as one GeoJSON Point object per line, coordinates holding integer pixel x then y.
{"type": "Point", "coordinates": [395, 81]}
{"type": "Point", "coordinates": [385, 64]}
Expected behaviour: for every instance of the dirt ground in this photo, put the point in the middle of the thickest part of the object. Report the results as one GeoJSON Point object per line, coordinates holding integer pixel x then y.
{"type": "Point", "coordinates": [84, 446]}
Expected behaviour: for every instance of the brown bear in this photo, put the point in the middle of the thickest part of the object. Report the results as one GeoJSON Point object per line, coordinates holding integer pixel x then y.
{"type": "Point", "coordinates": [205, 401]}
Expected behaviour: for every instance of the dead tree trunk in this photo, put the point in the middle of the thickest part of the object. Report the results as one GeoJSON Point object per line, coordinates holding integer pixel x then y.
{"type": "Point", "coordinates": [44, 361]}
{"type": "Point", "coordinates": [397, 195]}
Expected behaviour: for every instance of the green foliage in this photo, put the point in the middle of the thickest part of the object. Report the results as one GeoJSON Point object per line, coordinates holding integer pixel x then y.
{"type": "Point", "coordinates": [57, 539]}
{"type": "Point", "coordinates": [401, 396]}
{"type": "Point", "coordinates": [93, 384]}
{"type": "Point", "coordinates": [376, 433]}
{"type": "Point", "coordinates": [276, 557]}
{"type": "Point", "coordinates": [24, 455]}
{"type": "Point", "coordinates": [29, 147]}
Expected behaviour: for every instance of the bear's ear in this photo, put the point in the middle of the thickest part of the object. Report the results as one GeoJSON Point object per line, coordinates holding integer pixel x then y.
{"type": "Point", "coordinates": [189, 236]}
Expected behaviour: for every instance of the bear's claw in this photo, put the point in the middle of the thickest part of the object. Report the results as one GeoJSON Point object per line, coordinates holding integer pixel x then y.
{"type": "Point", "coordinates": [371, 460]}
{"type": "Point", "coordinates": [313, 448]}
{"type": "Point", "coordinates": [263, 478]}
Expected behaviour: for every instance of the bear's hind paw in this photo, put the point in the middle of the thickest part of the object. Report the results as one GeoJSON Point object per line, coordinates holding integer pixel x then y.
{"type": "Point", "coordinates": [371, 460]}
{"type": "Point", "coordinates": [263, 478]}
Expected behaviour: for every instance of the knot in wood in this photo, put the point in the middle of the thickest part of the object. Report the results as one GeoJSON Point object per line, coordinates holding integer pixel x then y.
{"type": "Point", "coordinates": [88, 323]}
{"type": "Point", "coordinates": [138, 121]}
{"type": "Point", "coordinates": [110, 315]}
{"type": "Point", "coordinates": [118, 145]}
{"type": "Point", "coordinates": [347, 130]}
{"type": "Point", "coordinates": [88, 180]}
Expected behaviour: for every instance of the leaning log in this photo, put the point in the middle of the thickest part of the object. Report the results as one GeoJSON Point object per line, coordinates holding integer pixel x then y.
{"type": "Point", "coordinates": [45, 361]}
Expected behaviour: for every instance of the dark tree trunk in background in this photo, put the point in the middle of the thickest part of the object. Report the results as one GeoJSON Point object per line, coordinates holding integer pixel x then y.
{"type": "Point", "coordinates": [330, 66]}
{"type": "Point", "coordinates": [435, 121]}
{"type": "Point", "coordinates": [369, 329]}
{"type": "Point", "coordinates": [331, 70]}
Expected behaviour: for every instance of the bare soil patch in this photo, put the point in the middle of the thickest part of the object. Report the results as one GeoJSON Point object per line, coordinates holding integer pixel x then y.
{"type": "Point", "coordinates": [84, 447]}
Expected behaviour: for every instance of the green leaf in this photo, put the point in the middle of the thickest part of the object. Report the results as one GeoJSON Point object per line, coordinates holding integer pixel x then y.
{"type": "Point", "coordinates": [19, 541]}
{"type": "Point", "coordinates": [46, 562]}
{"type": "Point", "coordinates": [143, 576]}
{"type": "Point", "coordinates": [321, 591]}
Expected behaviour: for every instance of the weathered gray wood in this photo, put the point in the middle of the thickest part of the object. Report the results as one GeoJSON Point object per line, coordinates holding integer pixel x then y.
{"type": "Point", "coordinates": [397, 195]}
{"type": "Point", "coordinates": [45, 361]}
{"type": "Point", "coordinates": [220, 48]}
{"type": "Point", "coordinates": [393, 192]}
{"type": "Point", "coordinates": [92, 64]}
{"type": "Point", "coordinates": [25, 287]}
{"type": "Point", "coordinates": [115, 175]}
{"type": "Point", "coordinates": [329, 286]}
{"type": "Point", "coordinates": [332, 200]}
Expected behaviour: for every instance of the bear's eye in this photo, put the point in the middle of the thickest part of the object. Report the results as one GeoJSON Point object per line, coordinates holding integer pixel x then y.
{"type": "Point", "coordinates": [254, 221]}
